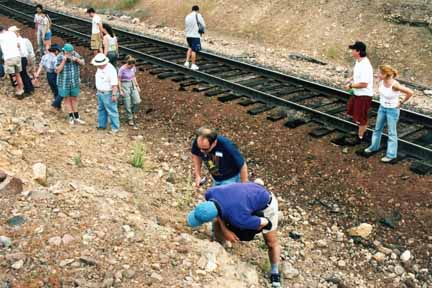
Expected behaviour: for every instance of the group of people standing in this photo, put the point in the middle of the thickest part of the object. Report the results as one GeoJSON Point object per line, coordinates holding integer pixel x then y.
{"type": "Point", "coordinates": [360, 86]}
{"type": "Point", "coordinates": [62, 67]}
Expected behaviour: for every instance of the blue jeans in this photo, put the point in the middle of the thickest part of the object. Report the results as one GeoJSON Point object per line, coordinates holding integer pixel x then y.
{"type": "Point", "coordinates": [235, 179]}
{"type": "Point", "coordinates": [52, 81]}
{"type": "Point", "coordinates": [2, 74]}
{"type": "Point", "coordinates": [391, 115]}
{"type": "Point", "coordinates": [107, 108]}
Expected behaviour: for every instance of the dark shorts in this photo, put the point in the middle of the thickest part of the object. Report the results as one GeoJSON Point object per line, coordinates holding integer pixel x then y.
{"type": "Point", "coordinates": [194, 44]}
{"type": "Point", "coordinates": [358, 108]}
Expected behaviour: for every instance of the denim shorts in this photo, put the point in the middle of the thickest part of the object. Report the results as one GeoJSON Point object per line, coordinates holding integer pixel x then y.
{"type": "Point", "coordinates": [234, 179]}
{"type": "Point", "coordinates": [194, 44]}
{"type": "Point", "coordinates": [69, 92]}
{"type": "Point", "coordinates": [48, 35]}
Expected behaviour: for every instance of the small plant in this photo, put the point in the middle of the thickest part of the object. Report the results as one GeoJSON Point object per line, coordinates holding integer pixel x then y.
{"type": "Point", "coordinates": [77, 160]}
{"type": "Point", "coordinates": [332, 53]}
{"type": "Point", "coordinates": [138, 156]}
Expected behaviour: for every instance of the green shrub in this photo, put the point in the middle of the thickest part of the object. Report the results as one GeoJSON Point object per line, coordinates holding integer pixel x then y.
{"type": "Point", "coordinates": [126, 4]}
{"type": "Point", "coordinates": [138, 155]}
{"type": "Point", "coordinates": [77, 160]}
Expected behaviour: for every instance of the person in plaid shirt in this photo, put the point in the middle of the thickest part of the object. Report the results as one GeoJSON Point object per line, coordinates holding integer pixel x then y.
{"type": "Point", "coordinates": [68, 80]}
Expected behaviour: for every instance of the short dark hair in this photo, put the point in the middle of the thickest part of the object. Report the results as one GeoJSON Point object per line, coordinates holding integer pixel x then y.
{"type": "Point", "coordinates": [362, 53]}
{"type": "Point", "coordinates": [39, 6]}
{"type": "Point", "coordinates": [195, 8]}
{"type": "Point", "coordinates": [90, 10]}
{"type": "Point", "coordinates": [207, 133]}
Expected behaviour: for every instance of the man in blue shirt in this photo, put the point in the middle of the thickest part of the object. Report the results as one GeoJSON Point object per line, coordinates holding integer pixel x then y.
{"type": "Point", "coordinates": [222, 158]}
{"type": "Point", "coordinates": [239, 211]}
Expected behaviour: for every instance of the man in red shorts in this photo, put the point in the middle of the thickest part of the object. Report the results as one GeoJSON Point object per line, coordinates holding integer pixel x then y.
{"type": "Point", "coordinates": [362, 86]}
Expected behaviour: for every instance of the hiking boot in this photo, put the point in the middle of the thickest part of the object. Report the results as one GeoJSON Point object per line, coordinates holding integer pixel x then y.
{"type": "Point", "coordinates": [194, 67]}
{"type": "Point", "coordinates": [275, 280]}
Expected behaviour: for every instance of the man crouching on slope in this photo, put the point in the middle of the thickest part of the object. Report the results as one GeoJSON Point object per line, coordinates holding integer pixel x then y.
{"type": "Point", "coordinates": [239, 212]}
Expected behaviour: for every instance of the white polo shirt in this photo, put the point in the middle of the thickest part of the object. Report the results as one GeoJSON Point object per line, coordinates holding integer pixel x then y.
{"type": "Point", "coordinates": [9, 45]}
{"type": "Point", "coordinates": [363, 73]}
{"type": "Point", "coordinates": [106, 78]}
{"type": "Point", "coordinates": [95, 21]}
{"type": "Point", "coordinates": [26, 47]}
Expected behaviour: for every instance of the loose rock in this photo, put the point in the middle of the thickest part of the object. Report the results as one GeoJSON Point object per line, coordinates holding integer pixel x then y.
{"type": "Point", "coordinates": [406, 256]}
{"type": "Point", "coordinates": [363, 230]}
{"type": "Point", "coordinates": [40, 173]}
{"type": "Point", "coordinates": [5, 241]}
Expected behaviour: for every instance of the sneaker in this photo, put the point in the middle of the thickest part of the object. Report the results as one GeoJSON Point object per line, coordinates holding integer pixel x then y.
{"type": "Point", "coordinates": [131, 123]}
{"type": "Point", "coordinates": [135, 116]}
{"type": "Point", "coordinates": [114, 131]}
{"type": "Point", "coordinates": [275, 280]}
{"type": "Point", "coordinates": [186, 64]}
{"type": "Point", "coordinates": [368, 151]}
{"type": "Point", "coordinates": [194, 67]}
{"type": "Point", "coordinates": [80, 121]}
{"type": "Point", "coordinates": [387, 160]}
{"type": "Point", "coordinates": [71, 120]}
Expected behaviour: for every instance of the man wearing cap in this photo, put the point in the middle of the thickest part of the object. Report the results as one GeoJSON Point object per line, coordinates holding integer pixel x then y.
{"type": "Point", "coordinates": [221, 156]}
{"type": "Point", "coordinates": [48, 62]}
{"type": "Point", "coordinates": [27, 58]}
{"type": "Point", "coordinates": [239, 212]}
{"type": "Point", "coordinates": [106, 86]}
{"type": "Point", "coordinates": [12, 58]}
{"type": "Point", "coordinates": [68, 81]}
{"type": "Point", "coordinates": [362, 89]}
{"type": "Point", "coordinates": [97, 32]}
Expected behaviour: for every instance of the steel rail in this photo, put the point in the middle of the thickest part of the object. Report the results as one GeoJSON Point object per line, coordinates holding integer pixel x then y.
{"type": "Point", "coordinates": [411, 149]}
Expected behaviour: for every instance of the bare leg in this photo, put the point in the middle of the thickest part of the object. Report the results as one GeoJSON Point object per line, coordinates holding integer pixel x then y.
{"type": "Point", "coordinates": [20, 85]}
{"type": "Point", "coordinates": [274, 250]}
{"type": "Point", "coordinates": [47, 44]}
{"type": "Point", "coordinates": [362, 130]}
{"type": "Point", "coordinates": [193, 54]}
{"type": "Point", "coordinates": [188, 54]}
{"type": "Point", "coordinates": [68, 105]}
{"type": "Point", "coordinates": [74, 104]}
{"type": "Point", "coordinates": [218, 232]}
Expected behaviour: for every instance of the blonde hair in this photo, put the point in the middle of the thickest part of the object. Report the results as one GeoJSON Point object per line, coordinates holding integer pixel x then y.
{"type": "Point", "coordinates": [388, 71]}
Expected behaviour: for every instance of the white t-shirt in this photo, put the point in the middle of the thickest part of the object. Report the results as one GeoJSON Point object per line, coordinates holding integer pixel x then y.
{"type": "Point", "coordinates": [363, 73]}
{"type": "Point", "coordinates": [191, 24]}
{"type": "Point", "coordinates": [106, 78]}
{"type": "Point", "coordinates": [95, 21]}
{"type": "Point", "coordinates": [112, 43]}
{"type": "Point", "coordinates": [38, 20]}
{"type": "Point", "coordinates": [26, 47]}
{"type": "Point", "coordinates": [9, 45]}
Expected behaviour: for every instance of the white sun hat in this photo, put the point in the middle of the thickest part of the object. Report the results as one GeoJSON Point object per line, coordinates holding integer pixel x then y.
{"type": "Point", "coordinates": [99, 60]}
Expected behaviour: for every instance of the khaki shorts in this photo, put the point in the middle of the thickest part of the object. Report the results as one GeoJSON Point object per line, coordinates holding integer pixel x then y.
{"type": "Point", "coordinates": [95, 42]}
{"type": "Point", "coordinates": [13, 65]}
{"type": "Point", "coordinates": [271, 213]}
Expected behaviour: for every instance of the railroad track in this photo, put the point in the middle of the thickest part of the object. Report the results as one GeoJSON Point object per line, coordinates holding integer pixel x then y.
{"type": "Point", "coordinates": [280, 96]}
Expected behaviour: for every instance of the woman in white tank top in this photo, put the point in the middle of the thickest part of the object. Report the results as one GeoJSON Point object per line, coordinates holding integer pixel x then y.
{"type": "Point", "coordinates": [110, 45]}
{"type": "Point", "coordinates": [390, 92]}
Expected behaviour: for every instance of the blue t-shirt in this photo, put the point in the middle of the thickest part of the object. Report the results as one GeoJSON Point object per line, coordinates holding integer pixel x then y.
{"type": "Point", "coordinates": [224, 161]}
{"type": "Point", "coordinates": [237, 203]}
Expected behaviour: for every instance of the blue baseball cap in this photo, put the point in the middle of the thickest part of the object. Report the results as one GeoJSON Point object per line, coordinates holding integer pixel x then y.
{"type": "Point", "coordinates": [203, 212]}
{"type": "Point", "coordinates": [68, 47]}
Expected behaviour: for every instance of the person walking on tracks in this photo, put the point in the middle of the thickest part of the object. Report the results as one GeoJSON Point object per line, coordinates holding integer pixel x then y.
{"type": "Point", "coordinates": [110, 45]}
{"type": "Point", "coordinates": [390, 92]}
{"type": "Point", "coordinates": [221, 156]}
{"type": "Point", "coordinates": [27, 56]}
{"type": "Point", "coordinates": [194, 28]}
{"type": "Point", "coordinates": [106, 85]}
{"type": "Point", "coordinates": [38, 19]}
{"type": "Point", "coordinates": [239, 211]}
{"type": "Point", "coordinates": [12, 58]}
{"type": "Point", "coordinates": [97, 31]}
{"type": "Point", "coordinates": [129, 89]}
{"type": "Point", "coordinates": [362, 86]}
{"type": "Point", "coordinates": [48, 63]}
{"type": "Point", "coordinates": [68, 80]}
